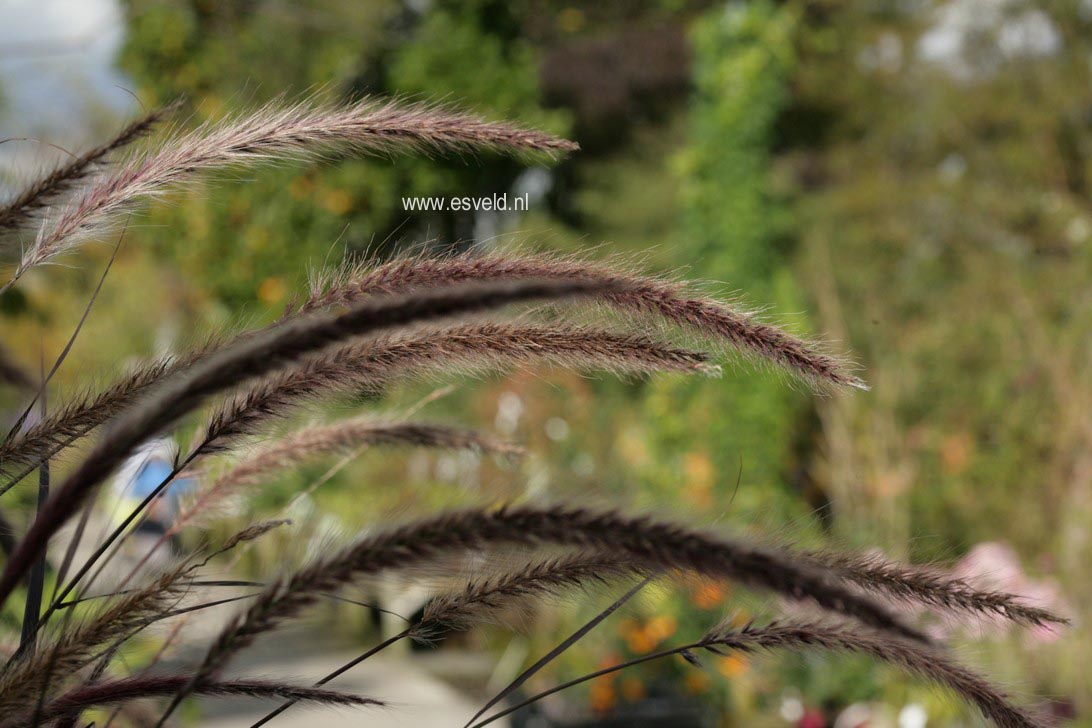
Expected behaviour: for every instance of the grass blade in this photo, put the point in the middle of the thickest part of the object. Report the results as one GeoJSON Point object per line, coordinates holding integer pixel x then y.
{"type": "Point", "coordinates": [560, 648]}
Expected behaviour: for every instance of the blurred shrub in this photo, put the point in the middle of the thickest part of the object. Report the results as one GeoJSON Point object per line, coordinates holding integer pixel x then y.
{"type": "Point", "coordinates": [735, 232]}
{"type": "Point", "coordinates": [468, 54]}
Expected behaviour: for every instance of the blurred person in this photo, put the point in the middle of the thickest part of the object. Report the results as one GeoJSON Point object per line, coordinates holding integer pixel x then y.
{"type": "Point", "coordinates": [142, 473]}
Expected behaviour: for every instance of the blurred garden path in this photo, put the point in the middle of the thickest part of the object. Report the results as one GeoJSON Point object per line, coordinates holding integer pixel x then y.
{"type": "Point", "coordinates": [416, 696]}
{"type": "Point", "coordinates": [435, 689]}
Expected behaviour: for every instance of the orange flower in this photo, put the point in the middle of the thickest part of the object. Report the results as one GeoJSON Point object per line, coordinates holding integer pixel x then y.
{"type": "Point", "coordinates": [602, 697]}
{"type": "Point", "coordinates": [609, 659]}
{"type": "Point", "coordinates": [732, 665]}
{"type": "Point", "coordinates": [640, 642]}
{"type": "Point", "coordinates": [696, 681]}
{"type": "Point", "coordinates": [710, 594]}
{"type": "Point", "coordinates": [661, 627]}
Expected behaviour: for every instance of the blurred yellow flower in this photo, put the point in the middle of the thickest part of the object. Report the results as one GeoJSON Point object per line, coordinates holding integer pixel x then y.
{"type": "Point", "coordinates": [337, 201]}
{"type": "Point", "coordinates": [698, 468]}
{"type": "Point", "coordinates": [698, 474]}
{"type": "Point", "coordinates": [641, 638]}
{"type": "Point", "coordinates": [271, 290]}
{"type": "Point", "coordinates": [631, 444]}
{"type": "Point", "coordinates": [732, 665]}
{"type": "Point", "coordinates": [661, 627]}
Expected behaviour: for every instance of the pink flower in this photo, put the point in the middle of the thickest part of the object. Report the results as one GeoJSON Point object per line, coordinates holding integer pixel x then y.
{"type": "Point", "coordinates": [996, 566]}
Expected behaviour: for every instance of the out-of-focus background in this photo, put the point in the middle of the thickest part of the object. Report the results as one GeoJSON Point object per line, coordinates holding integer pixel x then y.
{"type": "Point", "coordinates": [907, 179]}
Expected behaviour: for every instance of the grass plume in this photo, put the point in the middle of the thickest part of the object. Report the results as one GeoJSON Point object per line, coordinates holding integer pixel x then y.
{"type": "Point", "coordinates": [275, 132]}
{"type": "Point", "coordinates": [933, 587]}
{"type": "Point", "coordinates": [253, 357]}
{"type": "Point", "coordinates": [113, 692]}
{"type": "Point", "coordinates": [42, 193]}
{"type": "Point", "coordinates": [666, 299]}
{"type": "Point", "coordinates": [83, 414]}
{"type": "Point", "coordinates": [923, 661]}
{"type": "Point", "coordinates": [359, 365]}
{"type": "Point", "coordinates": [32, 671]}
{"type": "Point", "coordinates": [77, 418]}
{"type": "Point", "coordinates": [373, 364]}
{"type": "Point", "coordinates": [312, 442]}
{"type": "Point", "coordinates": [338, 437]}
{"type": "Point", "coordinates": [638, 540]}
{"type": "Point", "coordinates": [483, 597]}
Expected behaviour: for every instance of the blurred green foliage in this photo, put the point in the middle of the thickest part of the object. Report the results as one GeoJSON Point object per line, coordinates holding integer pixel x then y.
{"type": "Point", "coordinates": [219, 56]}
{"type": "Point", "coordinates": [734, 230]}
